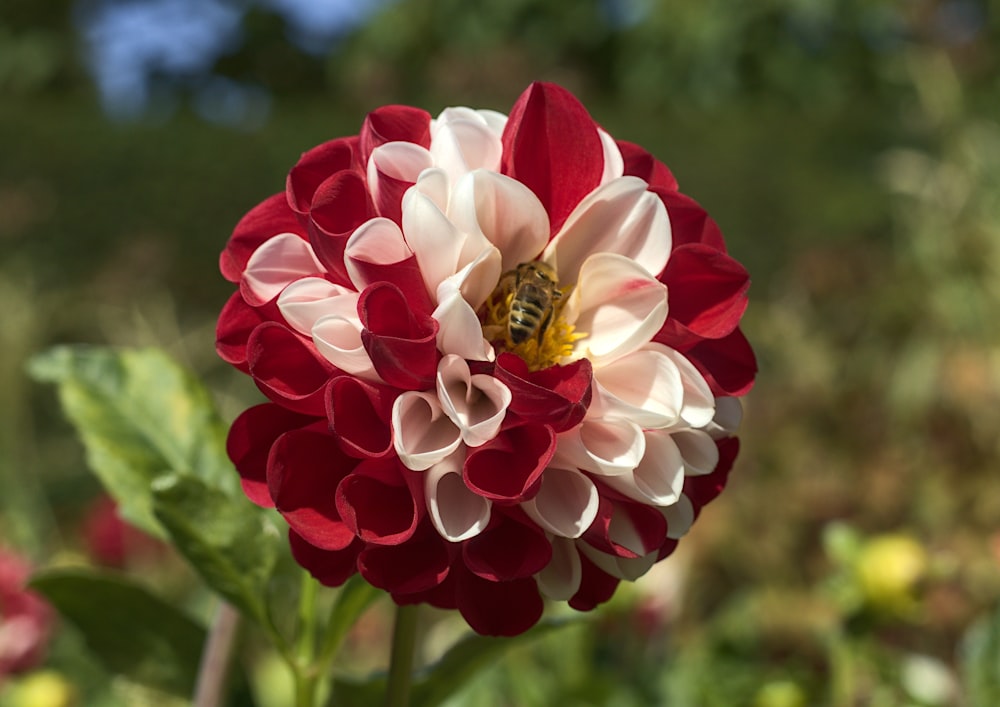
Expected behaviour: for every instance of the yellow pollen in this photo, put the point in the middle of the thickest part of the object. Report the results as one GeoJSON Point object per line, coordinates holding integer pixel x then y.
{"type": "Point", "coordinates": [554, 346]}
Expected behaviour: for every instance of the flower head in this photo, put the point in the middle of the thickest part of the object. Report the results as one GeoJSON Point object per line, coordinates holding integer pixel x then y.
{"type": "Point", "coordinates": [502, 357]}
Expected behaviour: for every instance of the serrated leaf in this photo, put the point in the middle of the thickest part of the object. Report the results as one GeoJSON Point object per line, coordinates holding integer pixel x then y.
{"type": "Point", "coordinates": [980, 662]}
{"type": "Point", "coordinates": [132, 632]}
{"type": "Point", "coordinates": [139, 415]}
{"type": "Point", "coordinates": [226, 539]}
{"type": "Point", "coordinates": [443, 679]}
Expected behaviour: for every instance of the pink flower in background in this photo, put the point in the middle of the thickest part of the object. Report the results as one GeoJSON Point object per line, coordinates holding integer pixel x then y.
{"type": "Point", "coordinates": [502, 356]}
{"type": "Point", "coordinates": [112, 542]}
{"type": "Point", "coordinates": [25, 618]}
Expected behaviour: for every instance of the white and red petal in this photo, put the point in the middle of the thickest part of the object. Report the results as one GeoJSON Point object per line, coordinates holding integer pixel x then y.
{"type": "Point", "coordinates": [698, 450]}
{"type": "Point", "coordinates": [278, 262]}
{"type": "Point", "coordinates": [456, 511]}
{"type": "Point", "coordinates": [261, 223]}
{"type": "Point", "coordinates": [658, 479]}
{"type": "Point", "coordinates": [475, 403]}
{"type": "Point", "coordinates": [305, 301]}
{"type": "Point", "coordinates": [462, 140]}
{"type": "Point", "coordinates": [508, 468]}
{"type": "Point", "coordinates": [644, 386]}
{"type": "Point", "coordinates": [560, 579]}
{"type": "Point", "coordinates": [421, 432]}
{"type": "Point", "coordinates": [619, 217]}
{"type": "Point", "coordinates": [566, 503]}
{"type": "Point", "coordinates": [604, 447]}
{"type": "Point", "coordinates": [617, 304]}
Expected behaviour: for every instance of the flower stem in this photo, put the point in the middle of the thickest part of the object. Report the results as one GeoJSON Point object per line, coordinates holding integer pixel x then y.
{"type": "Point", "coordinates": [404, 641]}
{"type": "Point", "coordinates": [215, 659]}
{"type": "Point", "coordinates": [303, 668]}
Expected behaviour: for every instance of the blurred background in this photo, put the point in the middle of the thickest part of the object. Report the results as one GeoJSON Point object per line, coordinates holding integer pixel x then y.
{"type": "Point", "coordinates": [850, 151]}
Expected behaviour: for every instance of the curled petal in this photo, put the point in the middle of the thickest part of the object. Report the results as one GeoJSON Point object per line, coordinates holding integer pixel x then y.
{"type": "Point", "coordinates": [476, 404]}
{"type": "Point", "coordinates": [394, 123]}
{"type": "Point", "coordinates": [645, 386]}
{"type": "Point", "coordinates": [659, 477]}
{"type": "Point", "coordinates": [435, 241]}
{"type": "Point", "coordinates": [456, 512]}
{"type": "Point", "coordinates": [303, 471]}
{"type": "Point", "coordinates": [463, 142]}
{"type": "Point", "coordinates": [699, 404]}
{"type": "Point", "coordinates": [596, 586]}
{"type": "Point", "coordinates": [340, 205]}
{"type": "Point", "coordinates": [627, 568]}
{"type": "Point", "coordinates": [505, 212]}
{"type": "Point", "coordinates": [314, 167]}
{"type": "Point", "coordinates": [401, 343]}
{"type": "Point", "coordinates": [422, 434]}
{"type": "Point", "coordinates": [508, 468]}
{"type": "Point", "coordinates": [337, 336]}
{"type": "Point", "coordinates": [698, 450]}
{"type": "Point", "coordinates": [557, 396]}
{"type": "Point", "coordinates": [680, 517]}
{"type": "Point", "coordinates": [507, 550]}
{"type": "Point", "coordinates": [275, 264]}
{"type": "Point", "coordinates": [552, 145]}
{"type": "Point", "coordinates": [625, 529]}
{"type": "Point", "coordinates": [360, 415]}
{"type": "Point", "coordinates": [701, 490]}
{"type": "Point", "coordinates": [417, 565]}
{"type": "Point", "coordinates": [249, 443]}
{"type": "Point", "coordinates": [459, 329]}
{"type": "Point", "coordinates": [305, 301]}
{"type": "Point", "coordinates": [566, 503]}
{"type": "Point", "coordinates": [614, 162]}
{"type": "Point", "coordinates": [728, 364]}
{"type": "Point", "coordinates": [728, 416]}
{"type": "Point", "coordinates": [498, 608]}
{"type": "Point", "coordinates": [639, 163]}
{"type": "Point", "coordinates": [618, 217]}
{"type": "Point", "coordinates": [605, 447]}
{"type": "Point", "coordinates": [689, 222]}
{"type": "Point", "coordinates": [287, 369]}
{"type": "Point", "coordinates": [377, 504]}
{"type": "Point", "coordinates": [392, 169]}
{"type": "Point", "coordinates": [560, 579]}
{"type": "Point", "coordinates": [260, 224]}
{"type": "Point", "coordinates": [618, 305]}
{"type": "Point", "coordinates": [236, 323]}
{"type": "Point", "coordinates": [330, 568]}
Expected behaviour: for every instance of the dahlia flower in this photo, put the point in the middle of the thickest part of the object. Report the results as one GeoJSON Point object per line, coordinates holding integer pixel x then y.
{"type": "Point", "coordinates": [501, 354]}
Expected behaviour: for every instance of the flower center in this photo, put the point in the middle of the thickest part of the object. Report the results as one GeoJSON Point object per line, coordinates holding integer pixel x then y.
{"type": "Point", "coordinates": [523, 315]}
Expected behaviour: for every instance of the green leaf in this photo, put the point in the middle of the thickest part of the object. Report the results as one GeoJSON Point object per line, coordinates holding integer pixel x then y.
{"type": "Point", "coordinates": [980, 662]}
{"type": "Point", "coordinates": [353, 599]}
{"type": "Point", "coordinates": [139, 415]}
{"type": "Point", "coordinates": [447, 676]}
{"type": "Point", "coordinates": [230, 543]}
{"type": "Point", "coordinates": [132, 632]}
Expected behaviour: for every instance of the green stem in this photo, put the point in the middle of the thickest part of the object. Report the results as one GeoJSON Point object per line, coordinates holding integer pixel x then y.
{"type": "Point", "coordinates": [302, 665]}
{"type": "Point", "coordinates": [404, 641]}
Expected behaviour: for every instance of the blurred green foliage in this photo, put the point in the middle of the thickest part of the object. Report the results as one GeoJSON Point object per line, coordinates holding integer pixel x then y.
{"type": "Point", "coordinates": [849, 149]}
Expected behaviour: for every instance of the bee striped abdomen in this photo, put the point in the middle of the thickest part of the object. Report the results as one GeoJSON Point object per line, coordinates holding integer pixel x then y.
{"type": "Point", "coordinates": [529, 313]}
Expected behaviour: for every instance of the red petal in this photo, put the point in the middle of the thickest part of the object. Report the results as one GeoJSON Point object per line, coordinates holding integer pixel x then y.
{"type": "Point", "coordinates": [557, 396]}
{"type": "Point", "coordinates": [703, 489]}
{"type": "Point", "coordinates": [359, 413]}
{"type": "Point", "coordinates": [405, 275]}
{"type": "Point", "coordinates": [689, 223]}
{"type": "Point", "coordinates": [728, 364]}
{"type": "Point", "coordinates": [377, 504]}
{"type": "Point", "coordinates": [596, 586]}
{"type": "Point", "coordinates": [498, 608]}
{"type": "Point", "coordinates": [330, 568]}
{"type": "Point", "coordinates": [288, 370]}
{"type": "Point", "coordinates": [507, 550]}
{"type": "Point", "coordinates": [707, 293]}
{"type": "Point", "coordinates": [314, 167]}
{"type": "Point", "coordinates": [551, 144]}
{"type": "Point", "coordinates": [340, 205]}
{"type": "Point", "coordinates": [401, 342]}
{"type": "Point", "coordinates": [303, 471]}
{"type": "Point", "coordinates": [648, 522]}
{"type": "Point", "coordinates": [441, 596]}
{"type": "Point", "coordinates": [389, 200]}
{"type": "Point", "coordinates": [236, 323]}
{"type": "Point", "coordinates": [249, 444]}
{"type": "Point", "coordinates": [639, 163]}
{"type": "Point", "coordinates": [508, 468]}
{"type": "Point", "coordinates": [392, 123]}
{"type": "Point", "coordinates": [269, 218]}
{"type": "Point", "coordinates": [415, 566]}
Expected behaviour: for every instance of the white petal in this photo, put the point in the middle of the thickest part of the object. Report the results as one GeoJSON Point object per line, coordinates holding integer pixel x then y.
{"type": "Point", "coordinates": [433, 183]}
{"type": "Point", "coordinates": [560, 579]}
{"type": "Point", "coordinates": [618, 305]}
{"type": "Point", "coordinates": [421, 433]}
{"type": "Point", "coordinates": [459, 329]}
{"type": "Point", "coordinates": [627, 568]}
{"type": "Point", "coordinates": [699, 403]}
{"type": "Point", "coordinates": [618, 217]}
{"type": "Point", "coordinates": [377, 241]}
{"type": "Point", "coordinates": [566, 503]}
{"type": "Point", "coordinates": [434, 240]}
{"type": "Point", "coordinates": [456, 512]}
{"type": "Point", "coordinates": [476, 404]}
{"type": "Point", "coordinates": [464, 143]}
{"type": "Point", "coordinates": [659, 477]}
{"type": "Point", "coordinates": [505, 212]}
{"type": "Point", "coordinates": [698, 450]}
{"type": "Point", "coordinates": [614, 164]}
{"type": "Point", "coordinates": [680, 517]}
{"type": "Point", "coordinates": [495, 120]}
{"type": "Point", "coordinates": [643, 386]}
{"type": "Point", "coordinates": [305, 301]}
{"type": "Point", "coordinates": [606, 447]}
{"type": "Point", "coordinates": [728, 416]}
{"type": "Point", "coordinates": [338, 338]}
{"type": "Point", "coordinates": [277, 262]}
{"type": "Point", "coordinates": [399, 160]}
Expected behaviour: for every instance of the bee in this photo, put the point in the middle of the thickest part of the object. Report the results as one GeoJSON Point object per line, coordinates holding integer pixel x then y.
{"type": "Point", "coordinates": [536, 295]}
